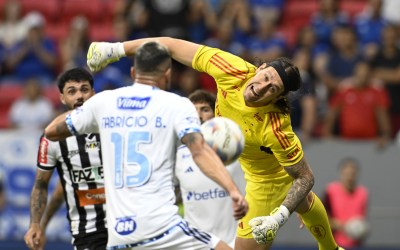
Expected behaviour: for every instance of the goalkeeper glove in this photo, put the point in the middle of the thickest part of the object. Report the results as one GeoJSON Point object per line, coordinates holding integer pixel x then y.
{"type": "Point", "coordinates": [265, 228]}
{"type": "Point", "coordinates": [100, 54]}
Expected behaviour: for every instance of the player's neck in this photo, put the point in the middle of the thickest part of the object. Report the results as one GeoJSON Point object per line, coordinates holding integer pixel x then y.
{"type": "Point", "coordinates": [148, 80]}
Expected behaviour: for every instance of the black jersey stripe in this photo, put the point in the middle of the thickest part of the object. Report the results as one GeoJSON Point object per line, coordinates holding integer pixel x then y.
{"type": "Point", "coordinates": [81, 210]}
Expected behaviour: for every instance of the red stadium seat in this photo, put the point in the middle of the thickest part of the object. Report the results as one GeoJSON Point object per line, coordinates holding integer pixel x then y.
{"type": "Point", "coordinates": [9, 93]}
{"type": "Point", "coordinates": [53, 94]}
{"type": "Point", "coordinates": [49, 8]}
{"type": "Point", "coordinates": [101, 32]}
{"type": "Point", "coordinates": [298, 13]}
{"type": "Point", "coordinates": [92, 10]}
{"type": "Point", "coordinates": [353, 7]}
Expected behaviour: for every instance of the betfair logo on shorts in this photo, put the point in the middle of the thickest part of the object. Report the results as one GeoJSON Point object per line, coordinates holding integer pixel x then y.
{"type": "Point", "coordinates": [209, 195]}
{"type": "Point", "coordinates": [134, 103]}
{"type": "Point", "coordinates": [125, 226]}
{"type": "Point", "coordinates": [93, 174]}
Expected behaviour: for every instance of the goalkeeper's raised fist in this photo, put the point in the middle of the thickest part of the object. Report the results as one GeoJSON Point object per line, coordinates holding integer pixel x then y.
{"type": "Point", "coordinates": [100, 54]}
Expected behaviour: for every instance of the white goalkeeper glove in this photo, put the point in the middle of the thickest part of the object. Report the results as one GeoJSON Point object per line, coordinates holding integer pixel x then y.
{"type": "Point", "coordinates": [100, 54]}
{"type": "Point", "coordinates": [265, 228]}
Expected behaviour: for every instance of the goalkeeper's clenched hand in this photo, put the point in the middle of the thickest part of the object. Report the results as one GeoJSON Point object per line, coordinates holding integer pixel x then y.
{"type": "Point", "coordinates": [264, 229]}
{"type": "Point", "coordinates": [100, 54]}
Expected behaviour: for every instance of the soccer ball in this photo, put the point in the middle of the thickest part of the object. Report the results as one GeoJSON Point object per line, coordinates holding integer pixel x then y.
{"type": "Point", "coordinates": [225, 137]}
{"type": "Point", "coordinates": [357, 228]}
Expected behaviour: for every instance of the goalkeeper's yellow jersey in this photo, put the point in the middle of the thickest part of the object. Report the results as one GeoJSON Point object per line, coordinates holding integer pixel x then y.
{"type": "Point", "coordinates": [270, 140]}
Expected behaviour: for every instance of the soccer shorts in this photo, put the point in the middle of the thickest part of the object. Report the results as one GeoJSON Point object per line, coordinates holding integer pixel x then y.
{"type": "Point", "coordinates": [90, 241]}
{"type": "Point", "coordinates": [182, 236]}
{"type": "Point", "coordinates": [263, 194]}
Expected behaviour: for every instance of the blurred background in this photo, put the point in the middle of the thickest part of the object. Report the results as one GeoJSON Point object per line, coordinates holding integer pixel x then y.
{"type": "Point", "coordinates": [347, 51]}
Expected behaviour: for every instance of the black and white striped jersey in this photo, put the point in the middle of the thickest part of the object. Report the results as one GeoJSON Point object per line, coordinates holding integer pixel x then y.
{"type": "Point", "coordinates": [79, 164]}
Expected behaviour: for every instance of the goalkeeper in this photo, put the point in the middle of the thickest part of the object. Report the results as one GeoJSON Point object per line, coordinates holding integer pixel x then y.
{"type": "Point", "coordinates": [279, 179]}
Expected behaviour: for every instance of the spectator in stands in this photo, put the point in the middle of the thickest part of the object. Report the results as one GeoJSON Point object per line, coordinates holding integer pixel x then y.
{"type": "Point", "coordinates": [32, 110]}
{"type": "Point", "coordinates": [34, 56]}
{"type": "Point", "coordinates": [339, 63]}
{"type": "Point", "coordinates": [326, 19]}
{"type": "Point", "coordinates": [202, 20]}
{"type": "Point", "coordinates": [271, 8]}
{"type": "Point", "coordinates": [238, 13]}
{"type": "Point", "coordinates": [386, 65]}
{"type": "Point", "coordinates": [390, 11]}
{"type": "Point", "coordinates": [188, 82]}
{"type": "Point", "coordinates": [304, 102]}
{"type": "Point", "coordinates": [12, 29]}
{"type": "Point", "coordinates": [345, 200]}
{"type": "Point", "coordinates": [167, 18]}
{"type": "Point", "coordinates": [109, 78]}
{"type": "Point", "coordinates": [307, 40]}
{"type": "Point", "coordinates": [74, 47]}
{"type": "Point", "coordinates": [369, 25]}
{"type": "Point", "coordinates": [266, 42]}
{"type": "Point", "coordinates": [223, 38]}
{"type": "Point", "coordinates": [361, 109]}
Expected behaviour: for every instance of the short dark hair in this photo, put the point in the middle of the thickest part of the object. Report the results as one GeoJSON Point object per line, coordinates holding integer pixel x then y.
{"type": "Point", "coordinates": [74, 74]}
{"type": "Point", "coordinates": [202, 95]}
{"type": "Point", "coordinates": [151, 58]}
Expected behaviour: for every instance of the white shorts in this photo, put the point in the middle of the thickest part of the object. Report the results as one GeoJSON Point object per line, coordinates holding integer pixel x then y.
{"type": "Point", "coordinates": [182, 236]}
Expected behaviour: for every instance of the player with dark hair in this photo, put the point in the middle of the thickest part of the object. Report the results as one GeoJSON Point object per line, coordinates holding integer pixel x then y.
{"type": "Point", "coordinates": [278, 177]}
{"type": "Point", "coordinates": [79, 163]}
{"type": "Point", "coordinates": [141, 127]}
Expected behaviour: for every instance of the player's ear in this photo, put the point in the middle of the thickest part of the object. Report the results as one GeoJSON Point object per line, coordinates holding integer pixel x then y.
{"type": "Point", "coordinates": [168, 73]}
{"type": "Point", "coordinates": [62, 99]}
{"type": "Point", "coordinates": [263, 66]}
{"type": "Point", "coordinates": [133, 71]}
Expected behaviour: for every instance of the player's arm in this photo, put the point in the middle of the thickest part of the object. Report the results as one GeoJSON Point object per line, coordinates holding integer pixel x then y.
{"type": "Point", "coordinates": [302, 184]}
{"type": "Point", "coordinates": [100, 54]}
{"type": "Point", "coordinates": [58, 128]}
{"type": "Point", "coordinates": [34, 236]}
{"type": "Point", "coordinates": [54, 204]}
{"type": "Point", "coordinates": [211, 165]}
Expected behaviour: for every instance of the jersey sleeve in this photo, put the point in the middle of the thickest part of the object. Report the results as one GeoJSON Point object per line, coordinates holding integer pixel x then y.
{"type": "Point", "coordinates": [282, 141]}
{"type": "Point", "coordinates": [226, 69]}
{"type": "Point", "coordinates": [47, 154]}
{"type": "Point", "coordinates": [187, 120]}
{"type": "Point", "coordinates": [83, 120]}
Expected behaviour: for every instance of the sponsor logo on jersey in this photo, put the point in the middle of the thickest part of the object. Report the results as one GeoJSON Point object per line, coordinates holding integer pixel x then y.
{"type": "Point", "coordinates": [216, 193]}
{"type": "Point", "coordinates": [125, 226]}
{"type": "Point", "coordinates": [43, 149]}
{"type": "Point", "coordinates": [135, 103]}
{"type": "Point", "coordinates": [91, 197]}
{"type": "Point", "coordinates": [94, 174]}
{"type": "Point", "coordinates": [189, 170]}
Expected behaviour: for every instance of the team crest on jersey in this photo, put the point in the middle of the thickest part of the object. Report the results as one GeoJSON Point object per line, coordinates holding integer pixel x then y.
{"type": "Point", "coordinates": [125, 225]}
{"type": "Point", "coordinates": [134, 103]}
{"type": "Point", "coordinates": [92, 145]}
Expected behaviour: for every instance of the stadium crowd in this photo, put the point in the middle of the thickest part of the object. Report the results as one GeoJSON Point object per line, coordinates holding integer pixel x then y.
{"type": "Point", "coordinates": [329, 41]}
